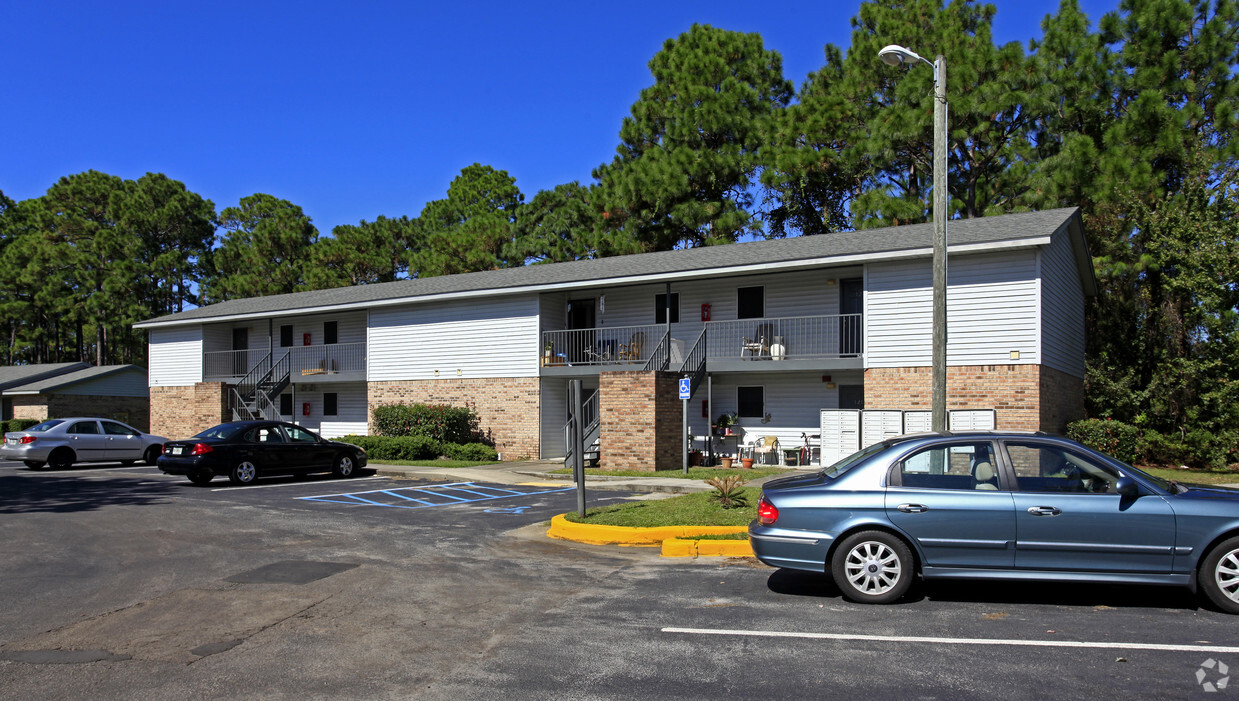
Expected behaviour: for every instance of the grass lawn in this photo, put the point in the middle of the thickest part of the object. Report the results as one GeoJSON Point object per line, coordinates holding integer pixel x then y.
{"type": "Point", "coordinates": [1196, 476]}
{"type": "Point", "coordinates": [694, 473]}
{"type": "Point", "coordinates": [434, 463]}
{"type": "Point", "coordinates": [688, 510]}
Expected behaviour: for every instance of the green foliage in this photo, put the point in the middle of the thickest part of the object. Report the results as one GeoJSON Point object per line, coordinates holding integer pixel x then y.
{"type": "Point", "coordinates": [556, 225]}
{"type": "Point", "coordinates": [441, 422]}
{"type": "Point", "coordinates": [364, 254]}
{"type": "Point", "coordinates": [1196, 448]}
{"type": "Point", "coordinates": [698, 509]}
{"type": "Point", "coordinates": [265, 250]}
{"type": "Point", "coordinates": [728, 491]}
{"type": "Point", "coordinates": [470, 230]}
{"type": "Point", "coordinates": [470, 451]}
{"type": "Point", "coordinates": [1114, 438]}
{"type": "Point", "coordinates": [380, 448]}
{"type": "Point", "coordinates": [18, 424]}
{"type": "Point", "coordinates": [691, 148]}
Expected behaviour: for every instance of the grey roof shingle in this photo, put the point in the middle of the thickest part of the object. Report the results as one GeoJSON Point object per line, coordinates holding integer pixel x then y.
{"type": "Point", "coordinates": [1007, 228]}
{"type": "Point", "coordinates": [69, 378]}
{"type": "Point", "coordinates": [14, 375]}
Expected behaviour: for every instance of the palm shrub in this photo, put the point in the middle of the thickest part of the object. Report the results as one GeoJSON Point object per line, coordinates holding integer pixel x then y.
{"type": "Point", "coordinates": [728, 491]}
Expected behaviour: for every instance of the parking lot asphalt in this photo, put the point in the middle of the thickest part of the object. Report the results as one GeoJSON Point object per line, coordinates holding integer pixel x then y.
{"type": "Point", "coordinates": [123, 583]}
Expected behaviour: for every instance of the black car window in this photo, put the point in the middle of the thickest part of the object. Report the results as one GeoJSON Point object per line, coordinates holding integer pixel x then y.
{"type": "Point", "coordinates": [221, 432]}
{"type": "Point", "coordinates": [45, 426]}
{"type": "Point", "coordinates": [300, 435]}
{"type": "Point", "coordinates": [269, 434]}
{"type": "Point", "coordinates": [114, 429]}
{"type": "Point", "coordinates": [91, 427]}
{"type": "Point", "coordinates": [1042, 467]}
{"type": "Point", "coordinates": [968, 465]}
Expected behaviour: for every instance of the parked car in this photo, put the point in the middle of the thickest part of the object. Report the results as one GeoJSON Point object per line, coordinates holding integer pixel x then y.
{"type": "Point", "coordinates": [60, 443]}
{"type": "Point", "coordinates": [1000, 506]}
{"type": "Point", "coordinates": [246, 450]}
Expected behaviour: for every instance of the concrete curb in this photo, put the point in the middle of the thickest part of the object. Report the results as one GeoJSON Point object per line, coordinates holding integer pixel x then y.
{"type": "Point", "coordinates": [676, 541]}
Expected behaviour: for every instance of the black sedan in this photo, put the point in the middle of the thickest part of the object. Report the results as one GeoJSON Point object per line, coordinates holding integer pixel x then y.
{"type": "Point", "coordinates": [245, 450]}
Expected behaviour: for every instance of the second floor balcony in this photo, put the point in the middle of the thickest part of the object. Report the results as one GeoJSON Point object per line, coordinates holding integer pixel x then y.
{"type": "Point", "coordinates": [332, 362]}
{"type": "Point", "coordinates": [785, 343]}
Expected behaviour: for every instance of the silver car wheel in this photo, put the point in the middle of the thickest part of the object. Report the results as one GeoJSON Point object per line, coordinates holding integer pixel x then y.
{"type": "Point", "coordinates": [343, 467]}
{"type": "Point", "coordinates": [1226, 574]}
{"type": "Point", "coordinates": [872, 568]}
{"type": "Point", "coordinates": [244, 472]}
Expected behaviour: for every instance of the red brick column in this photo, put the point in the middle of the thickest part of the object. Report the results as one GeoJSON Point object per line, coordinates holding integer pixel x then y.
{"type": "Point", "coordinates": [180, 412]}
{"type": "Point", "coordinates": [641, 421]}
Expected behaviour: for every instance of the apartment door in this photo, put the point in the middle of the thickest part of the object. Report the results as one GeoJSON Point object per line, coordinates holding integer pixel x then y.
{"type": "Point", "coordinates": [851, 301]}
{"type": "Point", "coordinates": [240, 342]}
{"type": "Point", "coordinates": [580, 319]}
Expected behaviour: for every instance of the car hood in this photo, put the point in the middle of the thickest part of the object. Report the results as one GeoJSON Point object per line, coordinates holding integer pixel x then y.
{"type": "Point", "coordinates": [792, 481]}
{"type": "Point", "coordinates": [1208, 491]}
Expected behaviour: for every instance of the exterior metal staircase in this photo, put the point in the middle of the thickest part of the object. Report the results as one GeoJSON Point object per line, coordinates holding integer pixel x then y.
{"type": "Point", "coordinates": [254, 396]}
{"type": "Point", "coordinates": [695, 364]}
{"type": "Point", "coordinates": [592, 431]}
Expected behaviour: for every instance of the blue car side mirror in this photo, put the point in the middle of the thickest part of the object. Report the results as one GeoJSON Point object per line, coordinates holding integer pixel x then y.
{"type": "Point", "coordinates": [1127, 487]}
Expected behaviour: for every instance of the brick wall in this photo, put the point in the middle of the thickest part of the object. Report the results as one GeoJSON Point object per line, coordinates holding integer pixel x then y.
{"type": "Point", "coordinates": [641, 421]}
{"type": "Point", "coordinates": [135, 411]}
{"type": "Point", "coordinates": [508, 408]}
{"type": "Point", "coordinates": [183, 411]}
{"type": "Point", "coordinates": [1024, 397]}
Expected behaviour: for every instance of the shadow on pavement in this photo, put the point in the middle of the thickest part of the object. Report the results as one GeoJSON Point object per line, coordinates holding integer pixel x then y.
{"type": "Point", "coordinates": [796, 583]}
{"type": "Point", "coordinates": [56, 494]}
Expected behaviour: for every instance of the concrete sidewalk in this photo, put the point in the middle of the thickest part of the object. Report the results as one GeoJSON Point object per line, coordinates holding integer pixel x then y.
{"type": "Point", "coordinates": [540, 470]}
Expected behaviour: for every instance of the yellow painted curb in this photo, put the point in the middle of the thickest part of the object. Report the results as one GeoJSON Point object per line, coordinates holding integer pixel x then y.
{"type": "Point", "coordinates": [688, 547]}
{"type": "Point", "coordinates": [564, 529]}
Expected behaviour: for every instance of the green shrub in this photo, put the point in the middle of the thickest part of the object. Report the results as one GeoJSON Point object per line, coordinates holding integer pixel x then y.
{"type": "Point", "coordinates": [1195, 448]}
{"type": "Point", "coordinates": [395, 447]}
{"type": "Point", "coordinates": [18, 424]}
{"type": "Point", "coordinates": [470, 451]}
{"type": "Point", "coordinates": [441, 422]}
{"type": "Point", "coordinates": [1114, 438]}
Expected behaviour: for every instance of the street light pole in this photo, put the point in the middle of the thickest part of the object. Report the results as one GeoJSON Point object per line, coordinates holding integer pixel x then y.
{"type": "Point", "coordinates": [894, 55]}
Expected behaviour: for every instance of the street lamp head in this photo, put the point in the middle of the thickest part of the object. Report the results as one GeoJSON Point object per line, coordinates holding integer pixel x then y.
{"type": "Point", "coordinates": [894, 54]}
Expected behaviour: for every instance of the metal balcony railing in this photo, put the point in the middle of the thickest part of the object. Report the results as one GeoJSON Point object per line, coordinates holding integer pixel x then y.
{"type": "Point", "coordinates": [601, 346]}
{"type": "Point", "coordinates": [304, 361]}
{"type": "Point", "coordinates": [787, 338]}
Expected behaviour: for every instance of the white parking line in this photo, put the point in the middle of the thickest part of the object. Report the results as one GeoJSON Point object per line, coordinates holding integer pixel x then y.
{"type": "Point", "coordinates": [956, 641]}
{"type": "Point", "coordinates": [288, 484]}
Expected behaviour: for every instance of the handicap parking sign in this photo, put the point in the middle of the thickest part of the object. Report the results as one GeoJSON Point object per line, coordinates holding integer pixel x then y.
{"type": "Point", "coordinates": [686, 387]}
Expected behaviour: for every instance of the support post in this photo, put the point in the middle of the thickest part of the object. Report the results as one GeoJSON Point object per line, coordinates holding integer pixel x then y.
{"type": "Point", "coordinates": [577, 433]}
{"type": "Point", "coordinates": [941, 195]}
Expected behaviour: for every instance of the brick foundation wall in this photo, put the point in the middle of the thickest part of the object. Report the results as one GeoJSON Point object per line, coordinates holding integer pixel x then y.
{"type": "Point", "coordinates": [183, 411]}
{"type": "Point", "coordinates": [508, 407]}
{"type": "Point", "coordinates": [1024, 397]}
{"type": "Point", "coordinates": [641, 420]}
{"type": "Point", "coordinates": [135, 411]}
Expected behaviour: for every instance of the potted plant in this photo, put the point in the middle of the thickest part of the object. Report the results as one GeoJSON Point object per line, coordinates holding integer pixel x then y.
{"type": "Point", "coordinates": [723, 424]}
{"type": "Point", "coordinates": [726, 460]}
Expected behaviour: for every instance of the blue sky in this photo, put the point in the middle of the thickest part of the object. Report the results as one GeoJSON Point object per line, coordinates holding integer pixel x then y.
{"type": "Point", "coordinates": [358, 109]}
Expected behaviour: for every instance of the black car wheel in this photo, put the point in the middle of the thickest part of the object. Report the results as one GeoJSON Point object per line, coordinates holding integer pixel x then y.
{"type": "Point", "coordinates": [872, 567]}
{"type": "Point", "coordinates": [201, 478]}
{"type": "Point", "coordinates": [344, 466]}
{"type": "Point", "coordinates": [243, 472]}
{"type": "Point", "coordinates": [34, 464]}
{"type": "Point", "coordinates": [1218, 576]}
{"type": "Point", "coordinates": [151, 456]}
{"type": "Point", "coordinates": [61, 459]}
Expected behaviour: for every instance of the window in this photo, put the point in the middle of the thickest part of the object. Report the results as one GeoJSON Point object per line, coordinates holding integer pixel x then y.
{"type": "Point", "coordinates": [331, 332]}
{"type": "Point", "coordinates": [750, 402]}
{"type": "Point", "coordinates": [660, 308]}
{"type": "Point", "coordinates": [114, 429]}
{"type": "Point", "coordinates": [329, 403]}
{"type": "Point", "coordinates": [265, 434]}
{"type": "Point", "coordinates": [84, 427]}
{"type": "Point", "coordinates": [286, 405]}
{"type": "Point", "coordinates": [286, 336]}
{"type": "Point", "coordinates": [956, 466]}
{"type": "Point", "coordinates": [300, 435]}
{"type": "Point", "coordinates": [750, 302]}
{"type": "Point", "coordinates": [1048, 468]}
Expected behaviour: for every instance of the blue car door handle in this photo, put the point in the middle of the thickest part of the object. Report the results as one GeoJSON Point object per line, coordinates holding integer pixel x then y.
{"type": "Point", "coordinates": [913, 508]}
{"type": "Point", "coordinates": [1044, 511]}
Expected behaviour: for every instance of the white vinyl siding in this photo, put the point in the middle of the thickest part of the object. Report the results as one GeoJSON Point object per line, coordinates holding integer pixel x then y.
{"type": "Point", "coordinates": [477, 338]}
{"type": "Point", "coordinates": [351, 409]}
{"type": "Point", "coordinates": [175, 356]}
{"type": "Point", "coordinates": [991, 311]}
{"type": "Point", "coordinates": [351, 328]}
{"type": "Point", "coordinates": [793, 400]}
{"type": "Point", "coordinates": [1062, 308]}
{"type": "Point", "coordinates": [127, 383]}
{"type": "Point", "coordinates": [554, 416]}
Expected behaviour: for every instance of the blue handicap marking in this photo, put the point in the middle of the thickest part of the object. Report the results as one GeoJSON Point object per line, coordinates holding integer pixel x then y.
{"type": "Point", "coordinates": [686, 388]}
{"type": "Point", "coordinates": [508, 510]}
{"type": "Point", "coordinates": [436, 495]}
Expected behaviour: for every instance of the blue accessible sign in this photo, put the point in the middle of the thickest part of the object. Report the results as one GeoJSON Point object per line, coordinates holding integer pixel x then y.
{"type": "Point", "coordinates": [686, 388]}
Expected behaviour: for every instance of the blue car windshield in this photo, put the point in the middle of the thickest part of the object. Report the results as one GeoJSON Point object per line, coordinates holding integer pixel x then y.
{"type": "Point", "coordinates": [50, 423]}
{"type": "Point", "coordinates": [837, 470]}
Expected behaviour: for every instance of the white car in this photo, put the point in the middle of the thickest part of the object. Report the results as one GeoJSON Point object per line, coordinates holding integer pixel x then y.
{"type": "Point", "coordinates": [62, 442]}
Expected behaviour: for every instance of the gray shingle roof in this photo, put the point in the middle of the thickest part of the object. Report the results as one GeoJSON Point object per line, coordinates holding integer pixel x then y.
{"type": "Point", "coordinates": [14, 375]}
{"type": "Point", "coordinates": [877, 243]}
{"type": "Point", "coordinates": [69, 378]}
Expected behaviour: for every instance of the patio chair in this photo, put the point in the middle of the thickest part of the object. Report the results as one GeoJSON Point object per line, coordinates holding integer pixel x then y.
{"type": "Point", "coordinates": [767, 449]}
{"type": "Point", "coordinates": [759, 345]}
{"type": "Point", "coordinates": [633, 349]}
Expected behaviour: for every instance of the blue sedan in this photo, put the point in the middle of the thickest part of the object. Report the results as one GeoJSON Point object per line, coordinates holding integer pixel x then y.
{"type": "Point", "coordinates": [997, 506]}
